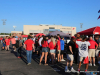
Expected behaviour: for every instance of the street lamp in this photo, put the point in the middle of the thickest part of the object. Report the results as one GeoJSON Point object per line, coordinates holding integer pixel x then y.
{"type": "Point", "coordinates": [81, 24]}
{"type": "Point", "coordinates": [14, 27]}
{"type": "Point", "coordinates": [4, 23]}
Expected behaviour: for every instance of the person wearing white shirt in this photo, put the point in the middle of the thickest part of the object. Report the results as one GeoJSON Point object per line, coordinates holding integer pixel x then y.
{"type": "Point", "coordinates": [40, 40]}
{"type": "Point", "coordinates": [83, 51]}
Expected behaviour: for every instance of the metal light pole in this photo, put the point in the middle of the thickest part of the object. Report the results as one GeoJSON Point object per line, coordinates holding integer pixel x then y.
{"type": "Point", "coordinates": [81, 24]}
{"type": "Point", "coordinates": [4, 23]}
{"type": "Point", "coordinates": [14, 27]}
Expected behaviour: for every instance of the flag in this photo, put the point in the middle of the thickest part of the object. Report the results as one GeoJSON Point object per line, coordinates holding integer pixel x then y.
{"type": "Point", "coordinates": [86, 60]}
{"type": "Point", "coordinates": [99, 11]}
{"type": "Point", "coordinates": [98, 17]}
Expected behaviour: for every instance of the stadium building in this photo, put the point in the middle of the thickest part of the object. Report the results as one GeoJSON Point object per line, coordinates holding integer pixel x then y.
{"type": "Point", "coordinates": [45, 29]}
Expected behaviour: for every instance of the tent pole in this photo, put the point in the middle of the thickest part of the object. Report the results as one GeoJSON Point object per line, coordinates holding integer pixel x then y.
{"type": "Point", "coordinates": [93, 36]}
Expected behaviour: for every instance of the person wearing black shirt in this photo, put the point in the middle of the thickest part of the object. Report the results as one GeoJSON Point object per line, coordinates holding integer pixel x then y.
{"type": "Point", "coordinates": [97, 39]}
{"type": "Point", "coordinates": [70, 52]}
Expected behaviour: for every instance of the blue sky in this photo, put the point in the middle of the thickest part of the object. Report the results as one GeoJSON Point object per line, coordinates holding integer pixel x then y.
{"type": "Point", "coordinates": [35, 12]}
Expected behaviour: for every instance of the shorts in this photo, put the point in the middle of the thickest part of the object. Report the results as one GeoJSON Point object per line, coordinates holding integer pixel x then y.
{"type": "Point", "coordinates": [81, 58]}
{"type": "Point", "coordinates": [62, 51]}
{"type": "Point", "coordinates": [4, 45]}
{"type": "Point", "coordinates": [44, 49]}
{"type": "Point", "coordinates": [97, 52]}
{"type": "Point", "coordinates": [13, 44]}
{"type": "Point", "coordinates": [53, 51]}
{"type": "Point", "coordinates": [91, 52]}
{"type": "Point", "coordinates": [59, 51]}
{"type": "Point", "coordinates": [70, 57]}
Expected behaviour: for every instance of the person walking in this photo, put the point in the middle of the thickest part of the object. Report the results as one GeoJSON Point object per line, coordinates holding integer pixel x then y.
{"type": "Point", "coordinates": [19, 46]}
{"type": "Point", "coordinates": [44, 50]}
{"type": "Point", "coordinates": [7, 41]}
{"type": "Point", "coordinates": [70, 56]}
{"type": "Point", "coordinates": [29, 46]}
{"type": "Point", "coordinates": [92, 48]}
{"type": "Point", "coordinates": [13, 41]}
{"type": "Point", "coordinates": [62, 48]}
{"type": "Point", "coordinates": [52, 46]}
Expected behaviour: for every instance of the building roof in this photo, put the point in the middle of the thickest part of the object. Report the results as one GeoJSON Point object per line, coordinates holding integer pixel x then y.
{"type": "Point", "coordinates": [16, 31]}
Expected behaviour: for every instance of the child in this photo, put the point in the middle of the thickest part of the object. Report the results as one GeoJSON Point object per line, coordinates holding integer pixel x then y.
{"type": "Point", "coordinates": [4, 44]}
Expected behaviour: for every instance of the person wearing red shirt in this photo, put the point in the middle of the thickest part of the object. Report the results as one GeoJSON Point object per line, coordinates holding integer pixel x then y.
{"type": "Point", "coordinates": [52, 46]}
{"type": "Point", "coordinates": [1, 39]}
{"type": "Point", "coordinates": [29, 46]}
{"type": "Point", "coordinates": [7, 43]}
{"type": "Point", "coordinates": [58, 35]}
{"type": "Point", "coordinates": [58, 49]}
{"type": "Point", "coordinates": [44, 50]}
{"type": "Point", "coordinates": [93, 46]}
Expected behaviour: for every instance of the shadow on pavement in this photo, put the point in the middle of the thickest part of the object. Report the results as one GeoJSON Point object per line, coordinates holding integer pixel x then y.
{"type": "Point", "coordinates": [24, 59]}
{"type": "Point", "coordinates": [23, 54]}
{"type": "Point", "coordinates": [15, 53]}
{"type": "Point", "coordinates": [0, 73]}
{"type": "Point", "coordinates": [59, 67]}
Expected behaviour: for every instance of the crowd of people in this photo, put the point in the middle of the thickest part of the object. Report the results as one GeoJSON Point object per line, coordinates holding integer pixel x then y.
{"type": "Point", "coordinates": [78, 49]}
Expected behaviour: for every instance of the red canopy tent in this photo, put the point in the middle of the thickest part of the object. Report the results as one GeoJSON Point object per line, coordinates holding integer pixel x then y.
{"type": "Point", "coordinates": [91, 31]}
{"type": "Point", "coordinates": [24, 36]}
{"type": "Point", "coordinates": [39, 34]}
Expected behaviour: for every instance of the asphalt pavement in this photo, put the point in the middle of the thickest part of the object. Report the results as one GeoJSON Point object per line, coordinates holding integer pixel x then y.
{"type": "Point", "coordinates": [11, 65]}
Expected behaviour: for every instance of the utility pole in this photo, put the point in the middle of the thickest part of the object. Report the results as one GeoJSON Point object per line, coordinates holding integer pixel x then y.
{"type": "Point", "coordinates": [4, 23]}
{"type": "Point", "coordinates": [81, 24]}
{"type": "Point", "coordinates": [14, 27]}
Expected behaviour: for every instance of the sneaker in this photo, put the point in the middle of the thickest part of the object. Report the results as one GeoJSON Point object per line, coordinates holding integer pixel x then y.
{"type": "Point", "coordinates": [14, 50]}
{"type": "Point", "coordinates": [94, 65]}
{"type": "Point", "coordinates": [18, 57]}
{"type": "Point", "coordinates": [62, 60]}
{"type": "Point", "coordinates": [85, 70]}
{"type": "Point", "coordinates": [72, 70]}
{"type": "Point", "coordinates": [28, 64]}
{"type": "Point", "coordinates": [39, 63]}
{"type": "Point", "coordinates": [78, 70]}
{"type": "Point", "coordinates": [90, 64]}
{"type": "Point", "coordinates": [45, 64]}
{"type": "Point", "coordinates": [66, 70]}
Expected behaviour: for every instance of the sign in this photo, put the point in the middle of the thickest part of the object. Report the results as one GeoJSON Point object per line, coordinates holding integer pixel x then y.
{"type": "Point", "coordinates": [96, 32]}
{"type": "Point", "coordinates": [46, 31]}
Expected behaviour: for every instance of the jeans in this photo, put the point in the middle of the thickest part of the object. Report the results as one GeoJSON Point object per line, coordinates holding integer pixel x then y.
{"type": "Point", "coordinates": [44, 49]}
{"type": "Point", "coordinates": [76, 56]}
{"type": "Point", "coordinates": [29, 56]}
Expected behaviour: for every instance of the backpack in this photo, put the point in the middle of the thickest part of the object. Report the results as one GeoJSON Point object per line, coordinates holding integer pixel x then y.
{"type": "Point", "coordinates": [17, 43]}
